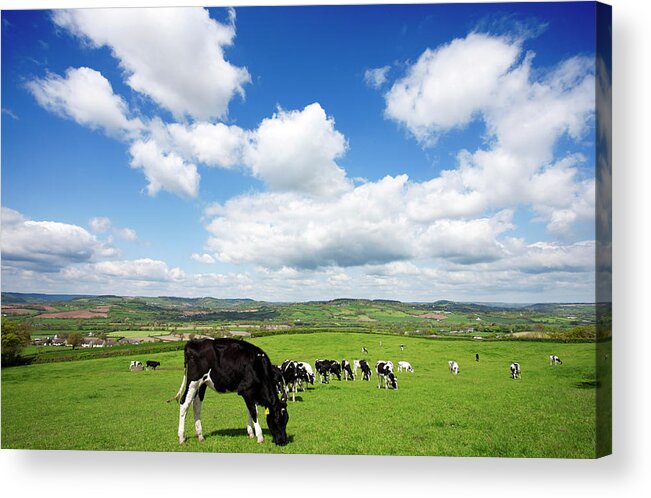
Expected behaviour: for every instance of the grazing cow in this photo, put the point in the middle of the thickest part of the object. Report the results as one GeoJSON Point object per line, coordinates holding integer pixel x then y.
{"type": "Point", "coordinates": [364, 350]}
{"type": "Point", "coordinates": [135, 365]}
{"type": "Point", "coordinates": [325, 368]}
{"type": "Point", "coordinates": [385, 374]}
{"type": "Point", "coordinates": [405, 365]}
{"type": "Point", "coordinates": [516, 373]}
{"type": "Point", "coordinates": [289, 371]}
{"type": "Point", "coordinates": [402, 347]}
{"type": "Point", "coordinates": [305, 374]}
{"type": "Point", "coordinates": [153, 364]}
{"type": "Point", "coordinates": [554, 360]}
{"type": "Point", "coordinates": [476, 356]}
{"type": "Point", "coordinates": [355, 366]}
{"type": "Point", "coordinates": [231, 365]}
{"type": "Point", "coordinates": [366, 370]}
{"type": "Point", "coordinates": [454, 367]}
{"type": "Point", "coordinates": [347, 370]}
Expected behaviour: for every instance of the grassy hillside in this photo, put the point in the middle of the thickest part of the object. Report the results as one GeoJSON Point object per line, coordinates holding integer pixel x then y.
{"type": "Point", "coordinates": [100, 405]}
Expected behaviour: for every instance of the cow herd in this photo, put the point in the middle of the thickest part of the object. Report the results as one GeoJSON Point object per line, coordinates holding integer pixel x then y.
{"type": "Point", "coordinates": [297, 374]}
{"type": "Point", "coordinates": [149, 364]}
{"type": "Point", "coordinates": [229, 365]}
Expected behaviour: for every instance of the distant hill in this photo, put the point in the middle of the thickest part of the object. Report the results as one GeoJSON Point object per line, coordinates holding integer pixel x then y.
{"type": "Point", "coordinates": [21, 298]}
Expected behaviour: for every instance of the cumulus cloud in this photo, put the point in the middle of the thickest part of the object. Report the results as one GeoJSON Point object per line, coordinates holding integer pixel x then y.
{"type": "Point", "coordinates": [291, 151]}
{"type": "Point", "coordinates": [525, 113]}
{"type": "Point", "coordinates": [375, 78]}
{"type": "Point", "coordinates": [448, 85]}
{"type": "Point", "coordinates": [175, 56]}
{"type": "Point", "coordinates": [297, 150]}
{"type": "Point", "coordinates": [47, 246]}
{"type": "Point", "coordinates": [370, 224]}
{"type": "Point", "coordinates": [210, 144]}
{"type": "Point", "coordinates": [85, 96]}
{"type": "Point", "coordinates": [164, 171]}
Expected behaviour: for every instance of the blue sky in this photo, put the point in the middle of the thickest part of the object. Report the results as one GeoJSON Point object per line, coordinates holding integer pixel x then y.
{"type": "Point", "coordinates": [415, 152]}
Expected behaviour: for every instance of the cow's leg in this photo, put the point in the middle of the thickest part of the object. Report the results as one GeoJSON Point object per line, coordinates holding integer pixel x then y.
{"type": "Point", "coordinates": [196, 406]}
{"type": "Point", "coordinates": [249, 425]}
{"type": "Point", "coordinates": [187, 399]}
{"type": "Point", "coordinates": [253, 417]}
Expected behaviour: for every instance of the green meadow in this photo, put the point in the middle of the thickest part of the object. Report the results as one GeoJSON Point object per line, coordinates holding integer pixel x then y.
{"type": "Point", "coordinates": [98, 404]}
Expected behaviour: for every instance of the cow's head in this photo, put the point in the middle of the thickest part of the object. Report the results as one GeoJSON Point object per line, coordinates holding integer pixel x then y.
{"type": "Point", "coordinates": [393, 380]}
{"type": "Point", "coordinates": [277, 419]}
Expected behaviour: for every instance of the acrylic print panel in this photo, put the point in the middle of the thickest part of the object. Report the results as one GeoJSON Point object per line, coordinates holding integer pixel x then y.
{"type": "Point", "coordinates": [386, 227]}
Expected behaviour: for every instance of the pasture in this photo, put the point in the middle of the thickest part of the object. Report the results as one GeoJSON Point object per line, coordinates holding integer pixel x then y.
{"type": "Point", "coordinates": [100, 405]}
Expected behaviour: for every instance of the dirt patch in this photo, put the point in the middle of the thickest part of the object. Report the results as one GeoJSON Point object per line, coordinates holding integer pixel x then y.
{"type": "Point", "coordinates": [83, 314]}
{"type": "Point", "coordinates": [18, 311]}
{"type": "Point", "coordinates": [434, 316]}
{"type": "Point", "coordinates": [185, 337]}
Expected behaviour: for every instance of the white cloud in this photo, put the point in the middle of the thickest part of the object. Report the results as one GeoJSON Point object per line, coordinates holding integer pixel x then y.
{"type": "Point", "coordinates": [125, 233]}
{"type": "Point", "coordinates": [145, 269]}
{"type": "Point", "coordinates": [210, 144]}
{"type": "Point", "coordinates": [296, 151]}
{"type": "Point", "coordinates": [175, 56]}
{"type": "Point", "coordinates": [99, 224]}
{"type": "Point", "coordinates": [164, 171]}
{"type": "Point", "coordinates": [371, 224]}
{"type": "Point", "coordinates": [479, 77]}
{"type": "Point", "coordinates": [47, 246]}
{"type": "Point", "coordinates": [203, 258]}
{"type": "Point", "coordinates": [87, 97]}
{"type": "Point", "coordinates": [447, 86]}
{"type": "Point", "coordinates": [377, 77]}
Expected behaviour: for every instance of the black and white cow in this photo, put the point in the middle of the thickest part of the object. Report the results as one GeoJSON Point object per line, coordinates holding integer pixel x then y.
{"type": "Point", "coordinates": [554, 360]}
{"type": "Point", "coordinates": [366, 370]}
{"type": "Point", "coordinates": [325, 368]}
{"type": "Point", "coordinates": [289, 371]}
{"type": "Point", "coordinates": [516, 373]}
{"type": "Point", "coordinates": [347, 371]}
{"type": "Point", "coordinates": [476, 356]}
{"type": "Point", "coordinates": [364, 350]}
{"type": "Point", "coordinates": [230, 365]}
{"type": "Point", "coordinates": [405, 365]}
{"type": "Point", "coordinates": [135, 365]}
{"type": "Point", "coordinates": [153, 364]}
{"type": "Point", "coordinates": [385, 374]}
{"type": "Point", "coordinates": [454, 367]}
{"type": "Point", "coordinates": [355, 367]}
{"type": "Point", "coordinates": [305, 374]}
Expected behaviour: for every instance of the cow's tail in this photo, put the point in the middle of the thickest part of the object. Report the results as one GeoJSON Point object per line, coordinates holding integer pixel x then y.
{"type": "Point", "coordinates": [180, 394]}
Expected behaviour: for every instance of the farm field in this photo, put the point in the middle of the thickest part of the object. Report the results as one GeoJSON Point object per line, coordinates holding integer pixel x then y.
{"type": "Point", "coordinates": [100, 405]}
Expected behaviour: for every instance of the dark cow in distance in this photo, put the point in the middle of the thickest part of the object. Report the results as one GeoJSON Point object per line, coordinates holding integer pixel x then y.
{"type": "Point", "coordinates": [347, 370]}
{"type": "Point", "coordinates": [290, 372]}
{"type": "Point", "coordinates": [230, 365]}
{"type": "Point", "coordinates": [366, 370]}
{"type": "Point", "coordinates": [153, 364]}
{"type": "Point", "coordinates": [326, 367]}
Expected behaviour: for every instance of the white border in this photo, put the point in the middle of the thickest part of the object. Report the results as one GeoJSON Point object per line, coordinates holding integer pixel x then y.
{"type": "Point", "coordinates": [628, 471]}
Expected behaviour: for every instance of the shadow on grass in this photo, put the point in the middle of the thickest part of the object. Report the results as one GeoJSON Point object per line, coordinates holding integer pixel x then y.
{"type": "Point", "coordinates": [242, 433]}
{"type": "Point", "coordinates": [588, 384]}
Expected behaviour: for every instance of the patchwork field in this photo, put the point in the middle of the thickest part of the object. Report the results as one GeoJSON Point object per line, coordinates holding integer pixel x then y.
{"type": "Point", "coordinates": [101, 405]}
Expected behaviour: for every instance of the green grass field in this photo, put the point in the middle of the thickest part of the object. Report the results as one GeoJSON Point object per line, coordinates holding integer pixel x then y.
{"type": "Point", "coordinates": [100, 405]}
